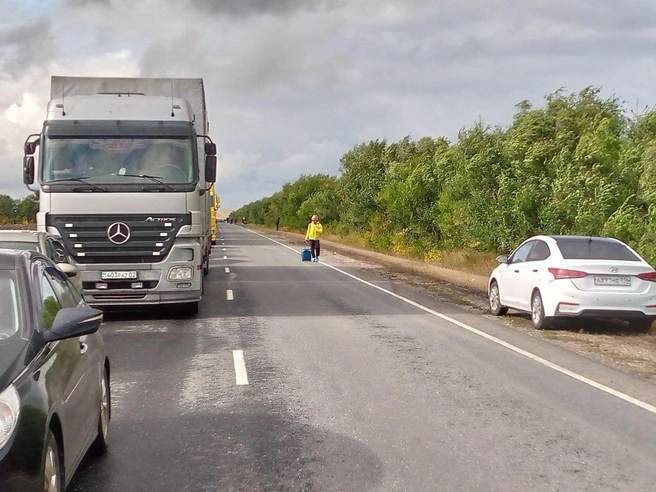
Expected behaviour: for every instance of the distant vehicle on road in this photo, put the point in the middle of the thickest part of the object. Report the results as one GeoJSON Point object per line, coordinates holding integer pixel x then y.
{"type": "Point", "coordinates": [45, 243]}
{"type": "Point", "coordinates": [568, 276]}
{"type": "Point", "coordinates": [54, 376]}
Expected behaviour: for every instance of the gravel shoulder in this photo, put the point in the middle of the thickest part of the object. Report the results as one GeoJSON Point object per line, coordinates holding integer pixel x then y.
{"type": "Point", "coordinates": [604, 341]}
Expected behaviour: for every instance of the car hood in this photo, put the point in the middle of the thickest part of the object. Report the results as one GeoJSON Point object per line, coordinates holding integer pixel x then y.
{"type": "Point", "coordinates": [13, 357]}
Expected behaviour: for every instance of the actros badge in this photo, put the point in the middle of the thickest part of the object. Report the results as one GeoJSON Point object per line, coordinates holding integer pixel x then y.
{"type": "Point", "coordinates": [118, 233]}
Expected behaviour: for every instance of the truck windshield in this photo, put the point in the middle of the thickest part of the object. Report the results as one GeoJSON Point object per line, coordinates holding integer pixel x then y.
{"type": "Point", "coordinates": [118, 160]}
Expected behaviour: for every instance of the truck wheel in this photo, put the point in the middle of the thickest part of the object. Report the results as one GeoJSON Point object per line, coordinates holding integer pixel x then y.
{"type": "Point", "coordinates": [189, 309]}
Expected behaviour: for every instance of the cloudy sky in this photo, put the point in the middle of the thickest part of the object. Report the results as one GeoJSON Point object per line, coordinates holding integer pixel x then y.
{"type": "Point", "coordinates": [294, 84]}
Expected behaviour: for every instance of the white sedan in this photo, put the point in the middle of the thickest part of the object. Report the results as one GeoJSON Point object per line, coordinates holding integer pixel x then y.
{"type": "Point", "coordinates": [567, 276]}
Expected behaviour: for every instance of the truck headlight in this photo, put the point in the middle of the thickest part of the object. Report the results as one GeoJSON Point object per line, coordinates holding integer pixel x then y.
{"type": "Point", "coordinates": [180, 273]}
{"type": "Point", "coordinates": [9, 410]}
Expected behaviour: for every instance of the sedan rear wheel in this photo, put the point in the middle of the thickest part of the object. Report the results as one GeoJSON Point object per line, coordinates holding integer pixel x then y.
{"type": "Point", "coordinates": [495, 301]}
{"type": "Point", "coordinates": [540, 321]}
{"type": "Point", "coordinates": [51, 465]}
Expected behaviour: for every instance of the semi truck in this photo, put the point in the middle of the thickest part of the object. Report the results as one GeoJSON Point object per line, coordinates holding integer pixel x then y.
{"type": "Point", "coordinates": [124, 169]}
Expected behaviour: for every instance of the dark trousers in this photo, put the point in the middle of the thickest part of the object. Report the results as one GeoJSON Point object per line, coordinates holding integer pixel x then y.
{"type": "Point", "coordinates": [315, 246]}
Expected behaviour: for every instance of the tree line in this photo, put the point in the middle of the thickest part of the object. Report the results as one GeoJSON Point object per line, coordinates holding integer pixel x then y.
{"type": "Point", "coordinates": [581, 164]}
{"type": "Point", "coordinates": [20, 211]}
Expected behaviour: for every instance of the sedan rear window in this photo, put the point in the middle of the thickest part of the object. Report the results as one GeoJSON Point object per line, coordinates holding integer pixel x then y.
{"type": "Point", "coordinates": [583, 248]}
{"type": "Point", "coordinates": [8, 307]}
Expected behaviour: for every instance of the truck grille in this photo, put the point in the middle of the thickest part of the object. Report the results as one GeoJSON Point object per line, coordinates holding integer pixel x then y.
{"type": "Point", "coordinates": [118, 238]}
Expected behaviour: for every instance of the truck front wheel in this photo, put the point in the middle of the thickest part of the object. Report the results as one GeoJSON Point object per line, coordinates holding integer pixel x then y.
{"type": "Point", "coordinates": [189, 309]}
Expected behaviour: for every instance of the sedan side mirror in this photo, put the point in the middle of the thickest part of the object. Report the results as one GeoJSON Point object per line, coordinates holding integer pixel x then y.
{"type": "Point", "coordinates": [74, 322]}
{"type": "Point", "coordinates": [502, 259]}
{"type": "Point", "coordinates": [68, 269]}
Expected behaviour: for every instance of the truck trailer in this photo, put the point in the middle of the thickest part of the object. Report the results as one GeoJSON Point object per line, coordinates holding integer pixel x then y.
{"type": "Point", "coordinates": [124, 169]}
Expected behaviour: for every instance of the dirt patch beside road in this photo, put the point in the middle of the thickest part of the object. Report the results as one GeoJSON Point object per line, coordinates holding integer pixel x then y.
{"type": "Point", "coordinates": [605, 341]}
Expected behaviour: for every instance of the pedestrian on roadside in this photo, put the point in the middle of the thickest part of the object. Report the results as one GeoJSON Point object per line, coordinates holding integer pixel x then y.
{"type": "Point", "coordinates": [314, 232]}
{"type": "Point", "coordinates": [278, 223]}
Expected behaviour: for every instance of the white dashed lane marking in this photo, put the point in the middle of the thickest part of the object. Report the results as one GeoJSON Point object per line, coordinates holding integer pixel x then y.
{"type": "Point", "coordinates": [227, 270]}
{"type": "Point", "coordinates": [241, 376]}
{"type": "Point", "coordinates": [229, 295]}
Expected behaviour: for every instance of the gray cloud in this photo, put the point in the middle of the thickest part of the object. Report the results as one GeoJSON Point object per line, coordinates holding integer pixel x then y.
{"type": "Point", "coordinates": [29, 43]}
{"type": "Point", "coordinates": [247, 8]}
{"type": "Point", "coordinates": [86, 3]}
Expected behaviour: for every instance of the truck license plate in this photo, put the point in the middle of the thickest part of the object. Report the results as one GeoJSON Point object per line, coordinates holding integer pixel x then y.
{"type": "Point", "coordinates": [623, 281]}
{"type": "Point", "coordinates": [123, 275]}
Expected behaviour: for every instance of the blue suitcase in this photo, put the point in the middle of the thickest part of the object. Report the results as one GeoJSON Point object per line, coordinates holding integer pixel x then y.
{"type": "Point", "coordinates": [306, 254]}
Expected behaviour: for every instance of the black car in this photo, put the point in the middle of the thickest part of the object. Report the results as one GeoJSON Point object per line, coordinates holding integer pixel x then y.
{"type": "Point", "coordinates": [54, 375]}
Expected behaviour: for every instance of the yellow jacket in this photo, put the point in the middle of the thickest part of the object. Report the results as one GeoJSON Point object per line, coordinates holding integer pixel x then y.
{"type": "Point", "coordinates": [314, 231]}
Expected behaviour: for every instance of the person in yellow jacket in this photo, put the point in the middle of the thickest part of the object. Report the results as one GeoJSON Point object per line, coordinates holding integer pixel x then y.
{"type": "Point", "coordinates": [314, 232]}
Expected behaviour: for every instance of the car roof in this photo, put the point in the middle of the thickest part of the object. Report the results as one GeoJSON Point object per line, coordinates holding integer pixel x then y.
{"type": "Point", "coordinates": [586, 238]}
{"type": "Point", "coordinates": [10, 258]}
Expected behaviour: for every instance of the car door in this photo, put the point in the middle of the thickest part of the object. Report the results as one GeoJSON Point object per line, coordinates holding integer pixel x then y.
{"type": "Point", "coordinates": [509, 287]}
{"type": "Point", "coordinates": [529, 271]}
{"type": "Point", "coordinates": [70, 368]}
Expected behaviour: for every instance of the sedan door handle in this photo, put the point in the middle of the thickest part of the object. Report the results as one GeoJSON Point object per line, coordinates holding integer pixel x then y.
{"type": "Point", "coordinates": [516, 271]}
{"type": "Point", "coordinates": [535, 271]}
{"type": "Point", "coordinates": [83, 348]}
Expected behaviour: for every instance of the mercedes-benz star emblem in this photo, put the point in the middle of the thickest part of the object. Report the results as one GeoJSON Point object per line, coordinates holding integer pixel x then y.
{"type": "Point", "coordinates": [118, 233]}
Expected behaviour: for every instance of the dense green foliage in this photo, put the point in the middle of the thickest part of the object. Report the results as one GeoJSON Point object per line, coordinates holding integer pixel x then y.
{"type": "Point", "coordinates": [21, 211]}
{"type": "Point", "coordinates": [579, 165]}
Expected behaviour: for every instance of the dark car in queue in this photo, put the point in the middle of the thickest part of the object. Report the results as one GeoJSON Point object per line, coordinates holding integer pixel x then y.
{"type": "Point", "coordinates": [45, 243]}
{"type": "Point", "coordinates": [54, 376]}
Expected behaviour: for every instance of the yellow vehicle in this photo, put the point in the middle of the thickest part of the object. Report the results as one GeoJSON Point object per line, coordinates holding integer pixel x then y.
{"type": "Point", "coordinates": [215, 205]}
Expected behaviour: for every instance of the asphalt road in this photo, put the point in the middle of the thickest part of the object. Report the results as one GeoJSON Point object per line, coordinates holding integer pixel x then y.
{"type": "Point", "coordinates": [353, 388]}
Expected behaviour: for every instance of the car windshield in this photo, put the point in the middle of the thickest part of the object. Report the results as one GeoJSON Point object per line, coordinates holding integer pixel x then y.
{"type": "Point", "coordinates": [109, 161]}
{"type": "Point", "coordinates": [21, 245]}
{"type": "Point", "coordinates": [8, 306]}
{"type": "Point", "coordinates": [584, 248]}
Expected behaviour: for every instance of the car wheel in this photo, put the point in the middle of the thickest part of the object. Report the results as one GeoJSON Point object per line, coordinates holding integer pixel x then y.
{"type": "Point", "coordinates": [495, 301]}
{"type": "Point", "coordinates": [100, 444]}
{"type": "Point", "coordinates": [540, 321]}
{"type": "Point", "coordinates": [52, 476]}
{"type": "Point", "coordinates": [640, 325]}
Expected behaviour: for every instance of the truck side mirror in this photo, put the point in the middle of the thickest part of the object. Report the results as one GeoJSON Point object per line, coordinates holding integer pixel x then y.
{"type": "Point", "coordinates": [30, 147]}
{"type": "Point", "coordinates": [210, 168]}
{"type": "Point", "coordinates": [28, 170]}
{"type": "Point", "coordinates": [210, 148]}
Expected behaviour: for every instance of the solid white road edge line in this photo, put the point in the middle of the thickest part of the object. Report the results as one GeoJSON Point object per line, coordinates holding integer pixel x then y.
{"type": "Point", "coordinates": [536, 358]}
{"type": "Point", "coordinates": [229, 295]}
{"type": "Point", "coordinates": [241, 376]}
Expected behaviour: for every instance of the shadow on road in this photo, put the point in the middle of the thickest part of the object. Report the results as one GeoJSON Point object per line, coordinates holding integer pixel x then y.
{"type": "Point", "coordinates": [229, 450]}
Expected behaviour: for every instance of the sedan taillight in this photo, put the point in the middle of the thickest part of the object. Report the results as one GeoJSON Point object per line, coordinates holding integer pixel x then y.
{"type": "Point", "coordinates": [560, 273]}
{"type": "Point", "coordinates": [648, 276]}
